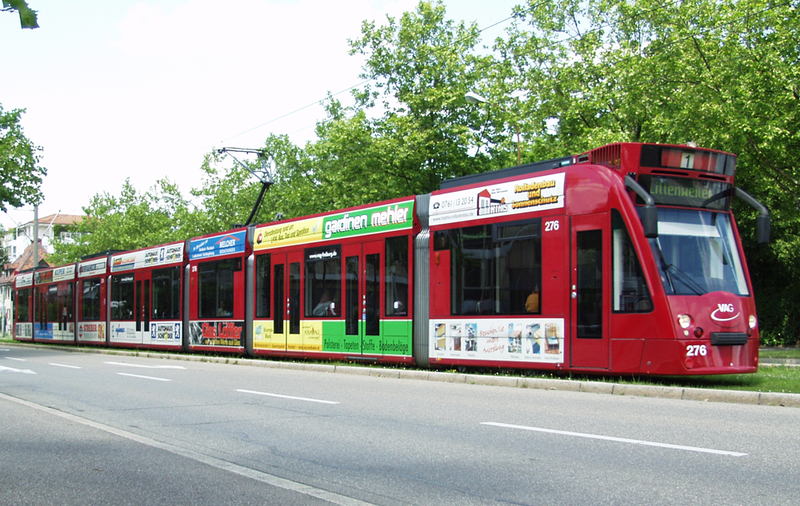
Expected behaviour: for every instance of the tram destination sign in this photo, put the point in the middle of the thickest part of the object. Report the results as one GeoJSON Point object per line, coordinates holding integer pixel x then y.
{"type": "Point", "coordinates": [687, 192]}
{"type": "Point", "coordinates": [498, 200]}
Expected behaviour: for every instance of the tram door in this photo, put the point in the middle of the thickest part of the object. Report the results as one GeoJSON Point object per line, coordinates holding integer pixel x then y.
{"type": "Point", "coordinates": [41, 327]}
{"type": "Point", "coordinates": [64, 327]}
{"type": "Point", "coordinates": [142, 311]}
{"type": "Point", "coordinates": [589, 285]}
{"type": "Point", "coordinates": [55, 313]}
{"type": "Point", "coordinates": [286, 299]}
{"type": "Point", "coordinates": [363, 297]}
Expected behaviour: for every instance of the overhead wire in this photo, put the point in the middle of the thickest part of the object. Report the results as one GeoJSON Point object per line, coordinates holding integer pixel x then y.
{"type": "Point", "coordinates": [644, 80]}
{"type": "Point", "coordinates": [317, 102]}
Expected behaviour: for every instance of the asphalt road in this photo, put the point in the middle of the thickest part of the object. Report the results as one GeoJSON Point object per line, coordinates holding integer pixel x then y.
{"type": "Point", "coordinates": [85, 428]}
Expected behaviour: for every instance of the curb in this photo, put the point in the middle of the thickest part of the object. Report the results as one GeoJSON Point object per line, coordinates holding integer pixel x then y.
{"type": "Point", "coordinates": [595, 387]}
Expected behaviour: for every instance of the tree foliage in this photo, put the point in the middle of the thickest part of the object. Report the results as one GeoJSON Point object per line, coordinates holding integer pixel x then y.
{"type": "Point", "coordinates": [411, 124]}
{"type": "Point", "coordinates": [27, 16]}
{"type": "Point", "coordinates": [130, 221]}
{"type": "Point", "coordinates": [21, 176]}
{"type": "Point", "coordinates": [722, 74]}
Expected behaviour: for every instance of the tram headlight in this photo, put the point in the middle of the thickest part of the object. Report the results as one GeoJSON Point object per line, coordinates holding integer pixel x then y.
{"type": "Point", "coordinates": [752, 321]}
{"type": "Point", "coordinates": [684, 320]}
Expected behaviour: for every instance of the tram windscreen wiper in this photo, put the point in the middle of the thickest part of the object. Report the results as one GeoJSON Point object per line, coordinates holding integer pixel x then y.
{"type": "Point", "coordinates": [670, 269]}
{"type": "Point", "coordinates": [684, 278]}
{"type": "Point", "coordinates": [663, 263]}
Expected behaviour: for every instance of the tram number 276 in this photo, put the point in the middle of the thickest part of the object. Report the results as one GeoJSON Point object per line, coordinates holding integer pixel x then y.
{"type": "Point", "coordinates": [550, 226]}
{"type": "Point", "coordinates": [696, 350]}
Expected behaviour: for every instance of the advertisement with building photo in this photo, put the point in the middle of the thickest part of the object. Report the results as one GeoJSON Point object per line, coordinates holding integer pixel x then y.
{"type": "Point", "coordinates": [525, 340]}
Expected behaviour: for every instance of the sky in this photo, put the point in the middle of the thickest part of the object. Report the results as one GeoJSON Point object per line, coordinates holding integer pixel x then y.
{"type": "Point", "coordinates": [144, 89]}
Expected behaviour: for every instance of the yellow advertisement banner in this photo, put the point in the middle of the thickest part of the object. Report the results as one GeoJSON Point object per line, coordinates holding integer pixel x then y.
{"type": "Point", "coordinates": [287, 234]}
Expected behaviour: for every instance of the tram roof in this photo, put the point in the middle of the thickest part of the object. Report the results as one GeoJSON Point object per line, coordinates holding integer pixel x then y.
{"type": "Point", "coordinates": [519, 170]}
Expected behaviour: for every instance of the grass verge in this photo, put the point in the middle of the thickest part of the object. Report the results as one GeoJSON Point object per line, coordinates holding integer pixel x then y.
{"type": "Point", "coordinates": [777, 378]}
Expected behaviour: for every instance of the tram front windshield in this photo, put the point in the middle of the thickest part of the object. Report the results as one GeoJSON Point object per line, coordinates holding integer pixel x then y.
{"type": "Point", "coordinates": [697, 254]}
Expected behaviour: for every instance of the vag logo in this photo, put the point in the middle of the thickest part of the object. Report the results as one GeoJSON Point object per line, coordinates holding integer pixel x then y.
{"type": "Point", "coordinates": [723, 313]}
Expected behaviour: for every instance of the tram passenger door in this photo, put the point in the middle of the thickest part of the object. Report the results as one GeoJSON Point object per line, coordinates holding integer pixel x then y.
{"type": "Point", "coordinates": [40, 311]}
{"type": "Point", "coordinates": [362, 301]}
{"type": "Point", "coordinates": [64, 329]}
{"type": "Point", "coordinates": [286, 299]}
{"type": "Point", "coordinates": [143, 309]}
{"type": "Point", "coordinates": [589, 286]}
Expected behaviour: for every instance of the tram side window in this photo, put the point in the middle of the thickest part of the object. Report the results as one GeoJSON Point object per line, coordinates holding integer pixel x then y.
{"type": "Point", "coordinates": [323, 282]}
{"type": "Point", "coordinates": [495, 269]}
{"type": "Point", "coordinates": [122, 297]}
{"type": "Point", "coordinates": [215, 288]}
{"type": "Point", "coordinates": [68, 303]}
{"type": "Point", "coordinates": [52, 304]}
{"type": "Point", "coordinates": [23, 307]}
{"type": "Point", "coordinates": [262, 286]}
{"type": "Point", "coordinates": [90, 300]}
{"type": "Point", "coordinates": [397, 276]}
{"type": "Point", "coordinates": [629, 287]}
{"type": "Point", "coordinates": [167, 293]}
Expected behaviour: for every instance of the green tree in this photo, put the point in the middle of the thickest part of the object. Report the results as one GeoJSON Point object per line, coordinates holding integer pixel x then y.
{"type": "Point", "coordinates": [27, 16]}
{"type": "Point", "coordinates": [723, 74]}
{"type": "Point", "coordinates": [130, 221]}
{"type": "Point", "coordinates": [410, 127]}
{"type": "Point", "coordinates": [21, 176]}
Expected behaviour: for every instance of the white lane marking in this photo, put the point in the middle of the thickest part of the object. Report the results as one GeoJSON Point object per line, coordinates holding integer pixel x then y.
{"type": "Point", "coordinates": [17, 359]}
{"type": "Point", "coordinates": [65, 365]}
{"type": "Point", "coordinates": [224, 465]}
{"type": "Point", "coordinates": [143, 377]}
{"type": "Point", "coordinates": [618, 439]}
{"type": "Point", "coordinates": [147, 366]}
{"type": "Point", "coordinates": [5, 349]}
{"type": "Point", "coordinates": [286, 396]}
{"type": "Point", "coordinates": [11, 369]}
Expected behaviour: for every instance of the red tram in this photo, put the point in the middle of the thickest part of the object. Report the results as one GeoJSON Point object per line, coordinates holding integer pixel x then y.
{"type": "Point", "coordinates": [336, 285]}
{"type": "Point", "coordinates": [145, 298]}
{"type": "Point", "coordinates": [93, 300]}
{"type": "Point", "coordinates": [216, 293]}
{"type": "Point", "coordinates": [622, 260]}
{"type": "Point", "coordinates": [625, 259]}
{"type": "Point", "coordinates": [51, 309]}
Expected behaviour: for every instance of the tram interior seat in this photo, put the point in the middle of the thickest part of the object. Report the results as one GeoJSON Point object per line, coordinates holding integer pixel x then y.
{"type": "Point", "coordinates": [479, 307]}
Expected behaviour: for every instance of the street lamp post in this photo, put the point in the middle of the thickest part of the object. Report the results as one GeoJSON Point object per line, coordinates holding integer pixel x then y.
{"type": "Point", "coordinates": [474, 98]}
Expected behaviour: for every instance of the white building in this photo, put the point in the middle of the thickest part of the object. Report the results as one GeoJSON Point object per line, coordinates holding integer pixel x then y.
{"type": "Point", "coordinates": [18, 244]}
{"type": "Point", "coordinates": [17, 240]}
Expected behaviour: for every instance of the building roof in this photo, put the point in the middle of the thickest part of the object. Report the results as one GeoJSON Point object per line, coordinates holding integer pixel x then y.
{"type": "Point", "coordinates": [58, 219]}
{"type": "Point", "coordinates": [24, 263]}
